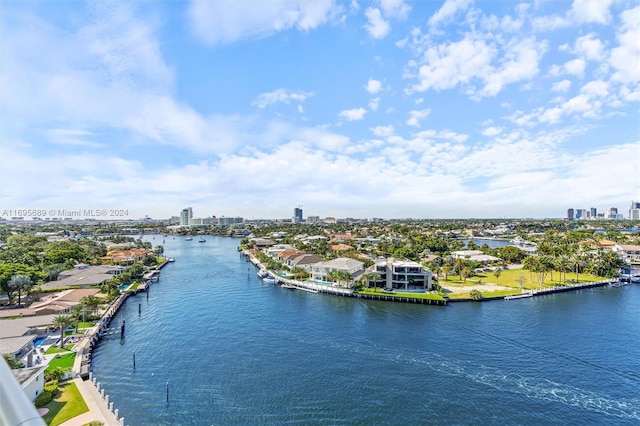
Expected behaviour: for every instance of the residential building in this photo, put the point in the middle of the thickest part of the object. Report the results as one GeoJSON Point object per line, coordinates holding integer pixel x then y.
{"type": "Point", "coordinates": [185, 216]}
{"type": "Point", "coordinates": [230, 221]}
{"type": "Point", "coordinates": [31, 380]}
{"type": "Point", "coordinates": [634, 211]}
{"type": "Point", "coordinates": [474, 255]}
{"type": "Point", "coordinates": [320, 270]}
{"type": "Point", "coordinates": [125, 257]}
{"type": "Point", "coordinates": [313, 219]}
{"type": "Point", "coordinates": [400, 274]}
{"type": "Point", "coordinates": [83, 276]}
{"type": "Point", "coordinates": [629, 253]}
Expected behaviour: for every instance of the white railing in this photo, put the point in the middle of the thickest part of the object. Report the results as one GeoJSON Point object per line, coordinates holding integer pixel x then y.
{"type": "Point", "coordinates": [15, 407]}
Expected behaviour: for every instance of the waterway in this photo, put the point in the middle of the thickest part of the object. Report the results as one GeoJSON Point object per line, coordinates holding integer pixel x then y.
{"type": "Point", "coordinates": [231, 349]}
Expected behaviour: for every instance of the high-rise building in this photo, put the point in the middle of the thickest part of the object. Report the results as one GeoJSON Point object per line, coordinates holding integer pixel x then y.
{"type": "Point", "coordinates": [185, 216]}
{"type": "Point", "coordinates": [570, 214]}
{"type": "Point", "coordinates": [297, 215]}
{"type": "Point", "coordinates": [634, 211]}
{"type": "Point", "coordinates": [593, 212]}
{"type": "Point", "coordinates": [313, 219]}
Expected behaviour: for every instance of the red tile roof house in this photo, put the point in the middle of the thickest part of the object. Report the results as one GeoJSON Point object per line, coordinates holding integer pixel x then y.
{"type": "Point", "coordinates": [125, 257]}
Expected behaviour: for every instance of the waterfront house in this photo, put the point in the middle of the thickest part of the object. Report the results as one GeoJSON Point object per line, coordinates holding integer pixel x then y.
{"type": "Point", "coordinates": [400, 274]}
{"type": "Point", "coordinates": [125, 257]}
{"type": "Point", "coordinates": [304, 261]}
{"type": "Point", "coordinates": [629, 253]}
{"type": "Point", "coordinates": [31, 380]}
{"type": "Point", "coordinates": [320, 270]}
{"type": "Point", "coordinates": [83, 276]}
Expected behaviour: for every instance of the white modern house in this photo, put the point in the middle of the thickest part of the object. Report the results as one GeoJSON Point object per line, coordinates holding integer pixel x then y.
{"type": "Point", "coordinates": [629, 253]}
{"type": "Point", "coordinates": [400, 274]}
{"type": "Point", "coordinates": [320, 270]}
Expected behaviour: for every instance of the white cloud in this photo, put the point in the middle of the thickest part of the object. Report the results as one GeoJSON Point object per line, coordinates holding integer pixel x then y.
{"type": "Point", "coordinates": [227, 21]}
{"type": "Point", "coordinates": [383, 131]}
{"type": "Point", "coordinates": [492, 131]}
{"type": "Point", "coordinates": [416, 116]}
{"type": "Point", "coordinates": [280, 96]}
{"type": "Point", "coordinates": [590, 11]}
{"type": "Point", "coordinates": [353, 114]}
{"type": "Point", "coordinates": [625, 58]}
{"type": "Point", "coordinates": [449, 64]}
{"type": "Point", "coordinates": [589, 47]}
{"type": "Point", "coordinates": [373, 86]}
{"type": "Point", "coordinates": [374, 103]}
{"type": "Point", "coordinates": [395, 9]}
{"type": "Point", "coordinates": [377, 27]}
{"type": "Point", "coordinates": [448, 11]}
{"type": "Point", "coordinates": [575, 67]}
{"type": "Point", "coordinates": [561, 86]}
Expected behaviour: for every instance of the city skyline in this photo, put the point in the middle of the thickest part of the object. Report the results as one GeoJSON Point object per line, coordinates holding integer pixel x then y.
{"type": "Point", "coordinates": [389, 108]}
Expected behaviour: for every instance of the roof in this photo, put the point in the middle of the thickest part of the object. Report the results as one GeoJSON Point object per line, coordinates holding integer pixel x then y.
{"type": "Point", "coordinates": [20, 326]}
{"type": "Point", "coordinates": [25, 375]}
{"type": "Point", "coordinates": [341, 247]}
{"type": "Point", "coordinates": [344, 263]}
{"type": "Point", "coordinates": [11, 345]}
{"type": "Point", "coordinates": [306, 259]}
{"type": "Point", "coordinates": [86, 277]}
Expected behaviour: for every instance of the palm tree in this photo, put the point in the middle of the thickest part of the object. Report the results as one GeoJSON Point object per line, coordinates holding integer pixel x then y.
{"type": "Point", "coordinates": [562, 265]}
{"type": "Point", "coordinates": [373, 277]}
{"type": "Point", "coordinates": [446, 269]}
{"type": "Point", "coordinates": [497, 273]}
{"type": "Point", "coordinates": [63, 321]}
{"type": "Point", "coordinates": [20, 282]}
{"type": "Point", "coordinates": [577, 262]}
{"type": "Point", "coordinates": [464, 273]}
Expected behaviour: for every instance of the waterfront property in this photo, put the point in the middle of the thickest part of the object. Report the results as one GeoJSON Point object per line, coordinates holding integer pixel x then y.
{"type": "Point", "coordinates": [399, 274]}
{"type": "Point", "coordinates": [320, 271]}
{"type": "Point", "coordinates": [83, 276]}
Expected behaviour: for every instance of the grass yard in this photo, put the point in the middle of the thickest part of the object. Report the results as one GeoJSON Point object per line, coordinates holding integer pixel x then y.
{"type": "Point", "coordinates": [64, 361]}
{"type": "Point", "coordinates": [67, 404]}
{"type": "Point", "coordinates": [56, 349]}
{"type": "Point", "coordinates": [510, 278]}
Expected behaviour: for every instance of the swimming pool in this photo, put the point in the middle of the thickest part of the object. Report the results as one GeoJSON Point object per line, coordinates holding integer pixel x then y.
{"type": "Point", "coordinates": [39, 341]}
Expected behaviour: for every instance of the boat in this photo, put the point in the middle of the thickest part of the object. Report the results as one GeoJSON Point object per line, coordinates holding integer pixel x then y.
{"type": "Point", "coordinates": [171, 259]}
{"type": "Point", "coordinates": [189, 238]}
{"type": "Point", "coordinates": [310, 290]}
{"type": "Point", "coordinates": [263, 273]}
{"type": "Point", "coordinates": [289, 286]}
{"type": "Point", "coordinates": [269, 280]}
{"type": "Point", "coordinates": [202, 240]}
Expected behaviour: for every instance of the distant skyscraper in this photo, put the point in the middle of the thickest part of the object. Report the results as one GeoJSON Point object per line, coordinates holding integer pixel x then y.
{"type": "Point", "coordinates": [570, 214]}
{"type": "Point", "coordinates": [297, 215]}
{"type": "Point", "coordinates": [185, 216]}
{"type": "Point", "coordinates": [594, 212]}
{"type": "Point", "coordinates": [634, 211]}
{"type": "Point", "coordinates": [614, 210]}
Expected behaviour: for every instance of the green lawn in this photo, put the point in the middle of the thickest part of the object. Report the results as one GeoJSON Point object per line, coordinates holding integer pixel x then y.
{"type": "Point", "coordinates": [56, 349]}
{"type": "Point", "coordinates": [64, 361]}
{"type": "Point", "coordinates": [67, 404]}
{"type": "Point", "coordinates": [510, 277]}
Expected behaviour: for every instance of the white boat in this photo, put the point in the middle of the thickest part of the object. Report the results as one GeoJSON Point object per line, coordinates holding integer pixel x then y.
{"type": "Point", "coordinates": [202, 240]}
{"type": "Point", "coordinates": [289, 286]}
{"type": "Point", "coordinates": [263, 273]}
{"type": "Point", "coordinates": [171, 259]}
{"type": "Point", "coordinates": [269, 280]}
{"type": "Point", "coordinates": [189, 238]}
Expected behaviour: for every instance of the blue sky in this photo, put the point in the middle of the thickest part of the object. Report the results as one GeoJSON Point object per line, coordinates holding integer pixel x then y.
{"type": "Point", "coordinates": [390, 108]}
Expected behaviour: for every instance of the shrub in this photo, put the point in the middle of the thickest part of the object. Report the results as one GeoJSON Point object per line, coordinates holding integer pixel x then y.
{"type": "Point", "coordinates": [43, 399]}
{"type": "Point", "coordinates": [51, 386]}
{"type": "Point", "coordinates": [475, 295]}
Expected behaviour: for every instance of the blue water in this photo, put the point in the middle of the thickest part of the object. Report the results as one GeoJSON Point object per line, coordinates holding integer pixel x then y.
{"type": "Point", "coordinates": [234, 350]}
